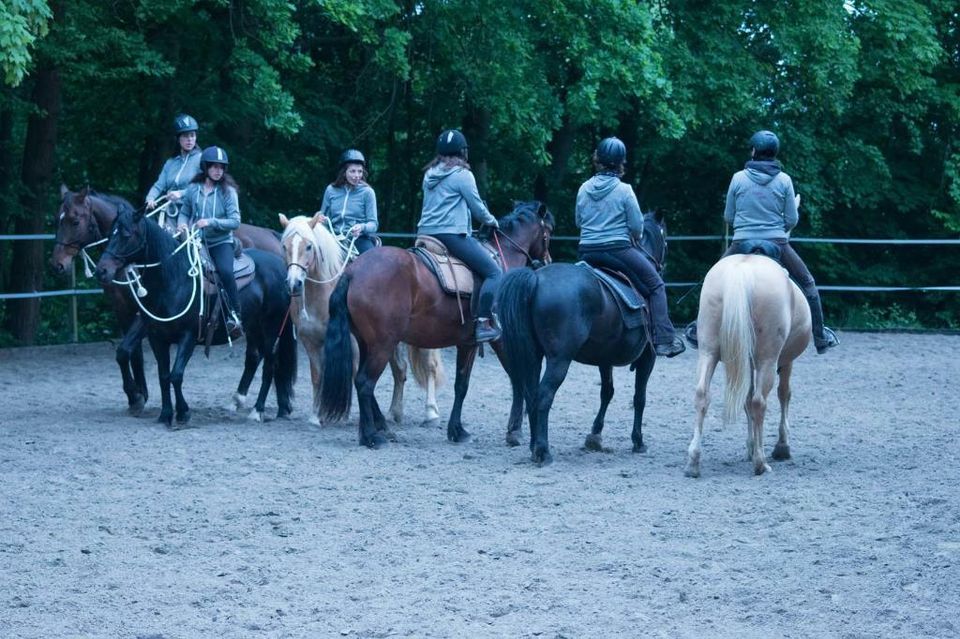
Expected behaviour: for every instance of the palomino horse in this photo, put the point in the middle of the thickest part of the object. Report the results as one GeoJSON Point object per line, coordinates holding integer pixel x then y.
{"type": "Point", "coordinates": [563, 313]}
{"type": "Point", "coordinates": [315, 261]}
{"type": "Point", "coordinates": [388, 296]}
{"type": "Point", "coordinates": [172, 278]}
{"type": "Point", "coordinates": [84, 220]}
{"type": "Point", "coordinates": [755, 320]}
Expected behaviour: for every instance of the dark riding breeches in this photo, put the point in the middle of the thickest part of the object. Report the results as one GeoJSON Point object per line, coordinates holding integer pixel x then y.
{"type": "Point", "coordinates": [480, 262]}
{"type": "Point", "coordinates": [364, 243]}
{"type": "Point", "coordinates": [635, 265]}
{"type": "Point", "coordinates": [222, 256]}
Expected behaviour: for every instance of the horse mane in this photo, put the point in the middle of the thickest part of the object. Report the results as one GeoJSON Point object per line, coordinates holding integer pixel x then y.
{"type": "Point", "coordinates": [324, 243]}
{"type": "Point", "coordinates": [524, 213]}
{"type": "Point", "coordinates": [115, 200]}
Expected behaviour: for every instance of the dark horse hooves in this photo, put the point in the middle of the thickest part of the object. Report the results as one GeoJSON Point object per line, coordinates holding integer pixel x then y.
{"type": "Point", "coordinates": [542, 457]}
{"type": "Point", "coordinates": [595, 443]}
{"type": "Point", "coordinates": [512, 438]}
{"type": "Point", "coordinates": [375, 441]}
{"type": "Point", "coordinates": [458, 435]}
{"type": "Point", "coordinates": [781, 452]}
{"type": "Point", "coordinates": [136, 406]}
{"type": "Point", "coordinates": [639, 448]}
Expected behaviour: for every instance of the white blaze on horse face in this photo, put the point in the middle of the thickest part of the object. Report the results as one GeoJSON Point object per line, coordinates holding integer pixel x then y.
{"type": "Point", "coordinates": [295, 271]}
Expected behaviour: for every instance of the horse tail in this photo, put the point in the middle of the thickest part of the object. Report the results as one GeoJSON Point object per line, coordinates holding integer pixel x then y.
{"type": "Point", "coordinates": [521, 352]}
{"type": "Point", "coordinates": [424, 362]}
{"type": "Point", "coordinates": [737, 340]}
{"type": "Point", "coordinates": [286, 370]}
{"type": "Point", "coordinates": [337, 391]}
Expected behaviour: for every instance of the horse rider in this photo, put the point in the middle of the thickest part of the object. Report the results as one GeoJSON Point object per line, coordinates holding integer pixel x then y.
{"type": "Point", "coordinates": [350, 204]}
{"type": "Point", "coordinates": [210, 204]}
{"type": "Point", "coordinates": [611, 227]}
{"type": "Point", "coordinates": [761, 205]}
{"type": "Point", "coordinates": [181, 168]}
{"type": "Point", "coordinates": [450, 199]}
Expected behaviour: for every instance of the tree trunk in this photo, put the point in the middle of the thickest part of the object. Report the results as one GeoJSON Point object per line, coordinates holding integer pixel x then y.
{"type": "Point", "coordinates": [561, 149]}
{"type": "Point", "coordinates": [6, 179]}
{"type": "Point", "coordinates": [39, 151]}
{"type": "Point", "coordinates": [476, 128]}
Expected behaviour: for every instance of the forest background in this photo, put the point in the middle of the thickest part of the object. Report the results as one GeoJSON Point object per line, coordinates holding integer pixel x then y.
{"type": "Point", "coordinates": [864, 96]}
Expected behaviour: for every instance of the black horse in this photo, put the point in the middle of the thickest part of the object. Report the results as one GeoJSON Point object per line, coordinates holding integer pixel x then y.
{"type": "Point", "coordinates": [562, 313]}
{"type": "Point", "coordinates": [172, 293]}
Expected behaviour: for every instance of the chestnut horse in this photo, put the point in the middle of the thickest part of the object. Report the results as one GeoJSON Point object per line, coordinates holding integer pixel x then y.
{"type": "Point", "coordinates": [84, 220]}
{"type": "Point", "coordinates": [388, 296]}
{"type": "Point", "coordinates": [315, 260]}
{"type": "Point", "coordinates": [755, 320]}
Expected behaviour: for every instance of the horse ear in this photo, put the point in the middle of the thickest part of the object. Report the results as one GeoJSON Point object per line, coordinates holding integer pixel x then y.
{"type": "Point", "coordinates": [542, 209]}
{"type": "Point", "coordinates": [137, 214]}
{"type": "Point", "coordinates": [64, 189]}
{"type": "Point", "coordinates": [657, 215]}
{"type": "Point", "coordinates": [314, 220]}
{"type": "Point", "coordinates": [283, 221]}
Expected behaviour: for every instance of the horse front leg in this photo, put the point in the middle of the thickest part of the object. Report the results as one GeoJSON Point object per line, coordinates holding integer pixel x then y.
{"type": "Point", "coordinates": [554, 374]}
{"type": "Point", "coordinates": [130, 360]}
{"type": "Point", "coordinates": [266, 381]}
{"type": "Point", "coordinates": [466, 355]}
{"type": "Point", "coordinates": [251, 361]}
{"type": "Point", "coordinates": [398, 369]}
{"type": "Point", "coordinates": [161, 353]}
{"type": "Point", "coordinates": [515, 423]}
{"type": "Point", "coordinates": [781, 451]}
{"type": "Point", "coordinates": [185, 346]}
{"type": "Point", "coordinates": [594, 440]}
{"type": "Point", "coordinates": [643, 366]}
{"type": "Point", "coordinates": [706, 365]}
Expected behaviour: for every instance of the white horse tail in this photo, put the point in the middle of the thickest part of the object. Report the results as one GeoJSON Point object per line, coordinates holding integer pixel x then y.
{"type": "Point", "coordinates": [737, 339]}
{"type": "Point", "coordinates": [425, 363]}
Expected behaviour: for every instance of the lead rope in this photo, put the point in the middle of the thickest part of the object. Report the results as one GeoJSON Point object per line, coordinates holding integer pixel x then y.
{"type": "Point", "coordinates": [89, 265]}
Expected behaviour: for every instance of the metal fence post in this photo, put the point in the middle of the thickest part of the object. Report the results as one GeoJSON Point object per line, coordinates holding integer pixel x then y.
{"type": "Point", "coordinates": [73, 304]}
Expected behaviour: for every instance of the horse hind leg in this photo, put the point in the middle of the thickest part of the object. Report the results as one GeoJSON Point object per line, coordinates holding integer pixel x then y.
{"type": "Point", "coordinates": [781, 451]}
{"type": "Point", "coordinates": [644, 366]}
{"type": "Point", "coordinates": [371, 365]}
{"type": "Point", "coordinates": [757, 408]}
{"type": "Point", "coordinates": [428, 372]}
{"type": "Point", "coordinates": [554, 373]}
{"type": "Point", "coordinates": [398, 369]}
{"type": "Point", "coordinates": [594, 440]}
{"type": "Point", "coordinates": [706, 365]}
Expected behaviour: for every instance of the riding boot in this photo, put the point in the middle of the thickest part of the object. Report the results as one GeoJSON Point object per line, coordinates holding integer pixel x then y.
{"type": "Point", "coordinates": [234, 325]}
{"type": "Point", "coordinates": [666, 343]}
{"type": "Point", "coordinates": [823, 337]}
{"type": "Point", "coordinates": [486, 328]}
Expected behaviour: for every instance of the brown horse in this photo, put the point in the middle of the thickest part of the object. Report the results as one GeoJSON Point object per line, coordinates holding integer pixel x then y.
{"type": "Point", "coordinates": [84, 220]}
{"type": "Point", "coordinates": [755, 320]}
{"type": "Point", "coordinates": [388, 296]}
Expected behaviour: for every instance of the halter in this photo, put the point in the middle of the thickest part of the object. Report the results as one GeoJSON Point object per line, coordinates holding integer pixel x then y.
{"type": "Point", "coordinates": [306, 268]}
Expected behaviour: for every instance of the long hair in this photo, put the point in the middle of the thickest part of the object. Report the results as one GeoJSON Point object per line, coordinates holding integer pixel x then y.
{"type": "Point", "coordinates": [601, 167]}
{"type": "Point", "coordinates": [226, 181]}
{"type": "Point", "coordinates": [447, 161]}
{"type": "Point", "coordinates": [341, 179]}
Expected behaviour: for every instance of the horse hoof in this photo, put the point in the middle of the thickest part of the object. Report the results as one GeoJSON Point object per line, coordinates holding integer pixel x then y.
{"type": "Point", "coordinates": [512, 439]}
{"type": "Point", "coordinates": [543, 458]}
{"type": "Point", "coordinates": [239, 402]}
{"type": "Point", "coordinates": [781, 452]}
{"type": "Point", "coordinates": [165, 419]}
{"type": "Point", "coordinates": [374, 442]}
{"type": "Point", "coordinates": [397, 418]}
{"type": "Point", "coordinates": [183, 418]}
{"type": "Point", "coordinates": [642, 448]}
{"type": "Point", "coordinates": [255, 416]}
{"type": "Point", "coordinates": [136, 406]}
{"type": "Point", "coordinates": [761, 469]}
{"type": "Point", "coordinates": [389, 435]}
{"type": "Point", "coordinates": [594, 443]}
{"type": "Point", "coordinates": [692, 471]}
{"type": "Point", "coordinates": [458, 436]}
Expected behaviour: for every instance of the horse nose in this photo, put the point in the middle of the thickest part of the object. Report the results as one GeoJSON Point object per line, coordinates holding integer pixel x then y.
{"type": "Point", "coordinates": [295, 287]}
{"type": "Point", "coordinates": [57, 267]}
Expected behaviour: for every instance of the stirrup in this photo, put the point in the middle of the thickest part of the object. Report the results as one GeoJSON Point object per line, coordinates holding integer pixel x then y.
{"type": "Point", "coordinates": [234, 326]}
{"type": "Point", "coordinates": [485, 331]}
{"type": "Point", "coordinates": [827, 341]}
{"type": "Point", "coordinates": [670, 349]}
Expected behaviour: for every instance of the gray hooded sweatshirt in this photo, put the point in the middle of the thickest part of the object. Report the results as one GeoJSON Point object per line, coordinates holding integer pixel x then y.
{"type": "Point", "coordinates": [347, 205]}
{"type": "Point", "coordinates": [220, 206]}
{"type": "Point", "coordinates": [450, 197]}
{"type": "Point", "coordinates": [176, 174]}
{"type": "Point", "coordinates": [608, 211]}
{"type": "Point", "coordinates": [761, 204]}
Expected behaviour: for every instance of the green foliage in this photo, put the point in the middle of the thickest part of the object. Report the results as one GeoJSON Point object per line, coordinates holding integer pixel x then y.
{"type": "Point", "coordinates": [22, 22]}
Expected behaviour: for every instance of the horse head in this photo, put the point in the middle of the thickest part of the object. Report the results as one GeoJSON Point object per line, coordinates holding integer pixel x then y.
{"type": "Point", "coordinates": [310, 251]}
{"type": "Point", "coordinates": [654, 242]}
{"type": "Point", "coordinates": [528, 229]}
{"type": "Point", "coordinates": [76, 227]}
{"type": "Point", "coordinates": [127, 243]}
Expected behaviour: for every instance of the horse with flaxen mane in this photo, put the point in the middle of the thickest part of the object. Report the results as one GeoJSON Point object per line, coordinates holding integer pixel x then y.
{"type": "Point", "coordinates": [170, 275]}
{"type": "Point", "coordinates": [84, 220]}
{"type": "Point", "coordinates": [755, 320]}
{"type": "Point", "coordinates": [315, 260]}
{"type": "Point", "coordinates": [388, 296]}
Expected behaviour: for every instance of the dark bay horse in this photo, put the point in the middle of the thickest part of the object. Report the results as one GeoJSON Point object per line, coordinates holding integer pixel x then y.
{"type": "Point", "coordinates": [173, 298]}
{"type": "Point", "coordinates": [562, 313]}
{"type": "Point", "coordinates": [84, 219]}
{"type": "Point", "coordinates": [388, 296]}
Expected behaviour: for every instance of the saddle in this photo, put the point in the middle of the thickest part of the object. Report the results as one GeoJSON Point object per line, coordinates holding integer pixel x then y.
{"type": "Point", "coordinates": [244, 269]}
{"type": "Point", "coordinates": [454, 276]}
{"type": "Point", "coordinates": [759, 247]}
{"type": "Point", "coordinates": [633, 308]}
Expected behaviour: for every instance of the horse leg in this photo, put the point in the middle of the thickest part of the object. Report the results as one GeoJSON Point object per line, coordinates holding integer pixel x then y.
{"type": "Point", "coordinates": [757, 406]}
{"type": "Point", "coordinates": [368, 373]}
{"type": "Point", "coordinates": [398, 368]}
{"type": "Point", "coordinates": [187, 343]}
{"type": "Point", "coordinates": [381, 422]}
{"type": "Point", "coordinates": [554, 374]}
{"type": "Point", "coordinates": [251, 361]}
{"type": "Point", "coordinates": [130, 359]}
{"type": "Point", "coordinates": [266, 380]}
{"type": "Point", "coordinates": [643, 367]}
{"type": "Point", "coordinates": [466, 355]}
{"type": "Point", "coordinates": [432, 410]}
{"type": "Point", "coordinates": [594, 439]}
{"type": "Point", "coordinates": [781, 451]}
{"type": "Point", "coordinates": [315, 355]}
{"type": "Point", "coordinates": [515, 423]}
{"type": "Point", "coordinates": [161, 353]}
{"type": "Point", "coordinates": [706, 365]}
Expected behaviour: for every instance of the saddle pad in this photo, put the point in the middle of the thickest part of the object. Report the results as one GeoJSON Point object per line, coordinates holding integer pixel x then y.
{"type": "Point", "coordinates": [632, 305]}
{"type": "Point", "coordinates": [454, 276]}
{"type": "Point", "coordinates": [243, 270]}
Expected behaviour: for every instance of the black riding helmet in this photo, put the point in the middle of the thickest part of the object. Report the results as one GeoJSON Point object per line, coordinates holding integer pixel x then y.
{"type": "Point", "coordinates": [765, 145]}
{"type": "Point", "coordinates": [211, 155]}
{"type": "Point", "coordinates": [451, 142]}
{"type": "Point", "coordinates": [611, 152]}
{"type": "Point", "coordinates": [352, 156]}
{"type": "Point", "coordinates": [184, 123]}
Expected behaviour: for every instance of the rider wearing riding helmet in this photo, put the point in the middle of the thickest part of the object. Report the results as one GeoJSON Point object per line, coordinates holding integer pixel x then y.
{"type": "Point", "coordinates": [350, 204]}
{"type": "Point", "coordinates": [181, 168]}
{"type": "Point", "coordinates": [611, 226]}
{"type": "Point", "coordinates": [761, 205]}
{"type": "Point", "coordinates": [210, 204]}
{"type": "Point", "coordinates": [450, 199]}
